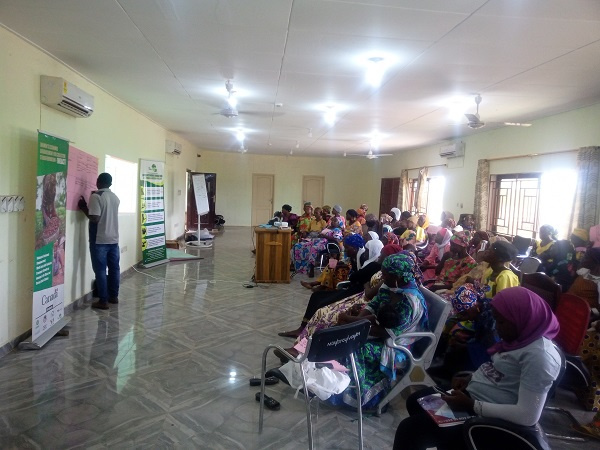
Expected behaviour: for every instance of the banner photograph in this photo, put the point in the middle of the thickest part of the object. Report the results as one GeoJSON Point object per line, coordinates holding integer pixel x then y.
{"type": "Point", "coordinates": [152, 209]}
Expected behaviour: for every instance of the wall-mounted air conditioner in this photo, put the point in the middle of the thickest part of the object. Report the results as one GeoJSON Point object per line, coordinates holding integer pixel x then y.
{"type": "Point", "coordinates": [59, 94]}
{"type": "Point", "coordinates": [172, 147]}
{"type": "Point", "coordinates": [453, 150]}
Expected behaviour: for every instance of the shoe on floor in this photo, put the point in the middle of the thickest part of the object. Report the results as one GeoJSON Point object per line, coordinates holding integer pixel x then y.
{"type": "Point", "coordinates": [113, 300]}
{"type": "Point", "coordinates": [100, 305]}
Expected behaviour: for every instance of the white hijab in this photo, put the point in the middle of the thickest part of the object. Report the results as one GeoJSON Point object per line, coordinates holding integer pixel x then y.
{"type": "Point", "coordinates": [374, 246]}
{"type": "Point", "coordinates": [396, 212]}
{"type": "Point", "coordinates": [374, 236]}
{"type": "Point", "coordinates": [445, 241]}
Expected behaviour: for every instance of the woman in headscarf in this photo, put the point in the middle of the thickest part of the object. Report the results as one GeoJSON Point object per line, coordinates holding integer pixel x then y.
{"type": "Point", "coordinates": [362, 212]}
{"type": "Point", "coordinates": [454, 263]}
{"type": "Point", "coordinates": [498, 276]}
{"type": "Point", "coordinates": [410, 235]}
{"type": "Point", "coordinates": [370, 252]}
{"type": "Point", "coordinates": [390, 238]}
{"type": "Point", "coordinates": [406, 311]}
{"type": "Point", "coordinates": [337, 212]}
{"type": "Point", "coordinates": [306, 251]}
{"type": "Point", "coordinates": [513, 386]}
{"type": "Point", "coordinates": [440, 247]}
{"type": "Point", "coordinates": [371, 224]}
{"type": "Point", "coordinates": [321, 313]}
{"type": "Point", "coordinates": [542, 247]}
{"type": "Point", "coordinates": [478, 242]}
{"type": "Point", "coordinates": [288, 216]}
{"type": "Point", "coordinates": [580, 240]}
{"type": "Point", "coordinates": [587, 283]}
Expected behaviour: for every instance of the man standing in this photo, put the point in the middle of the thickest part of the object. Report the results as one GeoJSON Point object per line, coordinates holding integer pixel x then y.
{"type": "Point", "coordinates": [103, 214]}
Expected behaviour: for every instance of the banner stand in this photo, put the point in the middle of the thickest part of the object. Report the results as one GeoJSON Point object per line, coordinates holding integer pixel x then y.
{"type": "Point", "coordinates": [154, 264]}
{"type": "Point", "coordinates": [37, 344]}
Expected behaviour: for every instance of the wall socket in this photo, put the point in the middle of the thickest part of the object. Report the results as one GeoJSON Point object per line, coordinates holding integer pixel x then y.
{"type": "Point", "coordinates": [123, 249]}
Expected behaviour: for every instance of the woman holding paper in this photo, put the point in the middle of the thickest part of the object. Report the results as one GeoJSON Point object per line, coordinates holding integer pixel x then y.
{"type": "Point", "coordinates": [513, 386]}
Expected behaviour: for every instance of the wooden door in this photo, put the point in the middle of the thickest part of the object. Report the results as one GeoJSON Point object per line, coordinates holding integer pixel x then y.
{"type": "Point", "coordinates": [262, 198]}
{"type": "Point", "coordinates": [206, 220]}
{"type": "Point", "coordinates": [313, 188]}
{"type": "Point", "coordinates": [388, 198]}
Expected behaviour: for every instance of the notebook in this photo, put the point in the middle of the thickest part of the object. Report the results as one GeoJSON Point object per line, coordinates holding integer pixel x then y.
{"type": "Point", "coordinates": [440, 411]}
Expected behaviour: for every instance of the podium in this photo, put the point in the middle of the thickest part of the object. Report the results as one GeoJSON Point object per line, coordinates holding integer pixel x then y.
{"type": "Point", "coordinates": [273, 247]}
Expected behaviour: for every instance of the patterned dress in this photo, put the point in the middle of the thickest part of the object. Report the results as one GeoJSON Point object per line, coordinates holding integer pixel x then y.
{"type": "Point", "coordinates": [306, 251]}
{"type": "Point", "coordinates": [455, 268]}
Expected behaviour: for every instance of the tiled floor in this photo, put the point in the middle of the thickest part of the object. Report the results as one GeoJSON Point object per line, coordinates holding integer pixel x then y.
{"type": "Point", "coordinates": [169, 366]}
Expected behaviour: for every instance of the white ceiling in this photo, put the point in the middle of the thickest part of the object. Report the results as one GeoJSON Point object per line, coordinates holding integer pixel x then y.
{"type": "Point", "coordinates": [170, 59]}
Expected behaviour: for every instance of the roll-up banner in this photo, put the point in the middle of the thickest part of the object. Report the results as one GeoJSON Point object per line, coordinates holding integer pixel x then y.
{"type": "Point", "coordinates": [152, 209]}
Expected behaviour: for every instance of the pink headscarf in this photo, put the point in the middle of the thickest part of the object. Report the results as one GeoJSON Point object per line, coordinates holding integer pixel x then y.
{"type": "Point", "coordinates": [529, 313]}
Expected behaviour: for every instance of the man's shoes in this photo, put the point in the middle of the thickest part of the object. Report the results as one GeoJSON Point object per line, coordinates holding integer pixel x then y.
{"type": "Point", "coordinates": [113, 300]}
{"type": "Point", "coordinates": [100, 305]}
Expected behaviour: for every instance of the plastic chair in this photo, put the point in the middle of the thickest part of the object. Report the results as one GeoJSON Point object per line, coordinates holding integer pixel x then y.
{"type": "Point", "coordinates": [332, 249]}
{"type": "Point", "coordinates": [421, 354]}
{"type": "Point", "coordinates": [482, 433]}
{"type": "Point", "coordinates": [544, 286]}
{"type": "Point", "coordinates": [522, 244]}
{"type": "Point", "coordinates": [324, 345]}
{"type": "Point", "coordinates": [529, 265]}
{"type": "Point", "coordinates": [573, 314]}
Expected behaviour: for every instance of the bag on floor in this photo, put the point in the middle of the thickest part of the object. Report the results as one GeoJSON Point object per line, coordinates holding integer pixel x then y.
{"type": "Point", "coordinates": [323, 382]}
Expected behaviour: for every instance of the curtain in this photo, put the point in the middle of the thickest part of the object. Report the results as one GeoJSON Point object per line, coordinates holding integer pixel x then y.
{"type": "Point", "coordinates": [403, 193]}
{"type": "Point", "coordinates": [482, 193]}
{"type": "Point", "coordinates": [421, 194]}
{"type": "Point", "coordinates": [586, 206]}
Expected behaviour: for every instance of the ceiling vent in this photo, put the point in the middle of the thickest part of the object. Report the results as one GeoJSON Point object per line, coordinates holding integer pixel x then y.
{"type": "Point", "coordinates": [59, 94]}
{"type": "Point", "coordinates": [453, 150]}
{"type": "Point", "coordinates": [172, 147]}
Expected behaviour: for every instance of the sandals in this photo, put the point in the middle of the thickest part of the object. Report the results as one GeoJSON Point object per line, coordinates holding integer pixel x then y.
{"type": "Point", "coordinates": [292, 334]}
{"type": "Point", "coordinates": [268, 381]}
{"type": "Point", "coordinates": [270, 402]}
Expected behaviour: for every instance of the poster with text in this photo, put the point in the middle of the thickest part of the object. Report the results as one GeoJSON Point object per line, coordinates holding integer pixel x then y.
{"type": "Point", "coordinates": [50, 222]}
{"type": "Point", "coordinates": [81, 176]}
{"type": "Point", "coordinates": [152, 209]}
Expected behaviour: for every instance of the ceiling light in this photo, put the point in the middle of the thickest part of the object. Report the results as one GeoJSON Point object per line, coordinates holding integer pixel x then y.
{"type": "Point", "coordinates": [291, 152]}
{"type": "Point", "coordinates": [297, 144]}
{"type": "Point", "coordinates": [517, 124]}
{"type": "Point", "coordinates": [310, 132]}
{"type": "Point", "coordinates": [330, 115]}
{"type": "Point", "coordinates": [376, 66]}
{"type": "Point", "coordinates": [232, 101]}
{"type": "Point", "coordinates": [240, 136]}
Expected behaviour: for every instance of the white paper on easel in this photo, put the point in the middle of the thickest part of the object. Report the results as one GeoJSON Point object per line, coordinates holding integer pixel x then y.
{"type": "Point", "coordinates": [200, 194]}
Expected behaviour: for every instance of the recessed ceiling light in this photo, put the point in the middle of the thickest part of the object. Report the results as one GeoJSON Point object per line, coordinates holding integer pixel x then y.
{"type": "Point", "coordinates": [240, 136]}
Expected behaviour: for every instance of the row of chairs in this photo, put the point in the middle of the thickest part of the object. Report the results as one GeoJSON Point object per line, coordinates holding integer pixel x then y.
{"type": "Point", "coordinates": [343, 341]}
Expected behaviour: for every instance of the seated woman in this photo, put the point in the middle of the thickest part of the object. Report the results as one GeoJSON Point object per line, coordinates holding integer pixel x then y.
{"type": "Point", "coordinates": [323, 307]}
{"type": "Point", "coordinates": [467, 222]}
{"type": "Point", "coordinates": [400, 295]}
{"type": "Point", "coordinates": [362, 213]}
{"type": "Point", "coordinates": [440, 247]}
{"type": "Point", "coordinates": [499, 276]}
{"type": "Point", "coordinates": [337, 213]}
{"type": "Point", "coordinates": [304, 220]}
{"type": "Point", "coordinates": [590, 395]}
{"type": "Point", "coordinates": [468, 332]}
{"type": "Point", "coordinates": [371, 224]}
{"type": "Point", "coordinates": [288, 216]}
{"type": "Point", "coordinates": [587, 283]}
{"type": "Point", "coordinates": [340, 269]}
{"type": "Point", "coordinates": [542, 246]}
{"type": "Point", "coordinates": [478, 242]}
{"type": "Point", "coordinates": [454, 263]}
{"type": "Point", "coordinates": [306, 251]}
{"type": "Point", "coordinates": [370, 252]}
{"type": "Point", "coordinates": [513, 386]}
{"type": "Point", "coordinates": [352, 223]}
{"type": "Point", "coordinates": [411, 234]}
{"type": "Point", "coordinates": [326, 213]}
{"type": "Point", "coordinates": [580, 240]}
{"type": "Point", "coordinates": [317, 224]}
{"type": "Point", "coordinates": [563, 267]}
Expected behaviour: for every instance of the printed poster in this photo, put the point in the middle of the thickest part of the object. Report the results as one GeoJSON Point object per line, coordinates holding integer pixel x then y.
{"type": "Point", "coordinates": [50, 223]}
{"type": "Point", "coordinates": [152, 209]}
{"type": "Point", "coordinates": [81, 176]}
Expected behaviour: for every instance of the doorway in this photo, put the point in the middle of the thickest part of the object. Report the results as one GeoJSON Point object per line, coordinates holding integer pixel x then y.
{"type": "Point", "coordinates": [389, 195]}
{"type": "Point", "coordinates": [262, 198]}
{"type": "Point", "coordinates": [191, 215]}
{"type": "Point", "coordinates": [313, 188]}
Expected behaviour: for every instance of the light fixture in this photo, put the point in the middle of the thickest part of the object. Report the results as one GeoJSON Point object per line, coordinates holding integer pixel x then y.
{"type": "Point", "coordinates": [240, 136]}
{"type": "Point", "coordinates": [376, 66]}
{"type": "Point", "coordinates": [517, 124]}
{"type": "Point", "coordinates": [310, 132]}
{"type": "Point", "coordinates": [297, 144]}
{"type": "Point", "coordinates": [291, 151]}
{"type": "Point", "coordinates": [330, 115]}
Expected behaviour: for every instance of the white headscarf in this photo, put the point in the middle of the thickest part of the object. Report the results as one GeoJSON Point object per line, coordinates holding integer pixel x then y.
{"type": "Point", "coordinates": [374, 236]}
{"type": "Point", "coordinates": [445, 241]}
{"type": "Point", "coordinates": [396, 212]}
{"type": "Point", "coordinates": [374, 246]}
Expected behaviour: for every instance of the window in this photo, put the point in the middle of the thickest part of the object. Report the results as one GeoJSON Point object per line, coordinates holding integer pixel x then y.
{"type": "Point", "coordinates": [412, 194]}
{"type": "Point", "coordinates": [125, 182]}
{"type": "Point", "coordinates": [435, 198]}
{"type": "Point", "coordinates": [514, 201]}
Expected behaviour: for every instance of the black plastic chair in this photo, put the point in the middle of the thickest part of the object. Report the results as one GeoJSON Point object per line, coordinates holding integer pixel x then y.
{"type": "Point", "coordinates": [331, 250]}
{"type": "Point", "coordinates": [522, 244]}
{"type": "Point", "coordinates": [324, 345]}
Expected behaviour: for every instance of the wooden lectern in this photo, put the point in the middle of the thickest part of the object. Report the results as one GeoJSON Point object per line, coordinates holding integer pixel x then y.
{"type": "Point", "coordinates": [273, 247]}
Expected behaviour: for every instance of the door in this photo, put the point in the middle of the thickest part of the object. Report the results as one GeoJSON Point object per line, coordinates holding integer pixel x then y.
{"type": "Point", "coordinates": [206, 220]}
{"type": "Point", "coordinates": [262, 198]}
{"type": "Point", "coordinates": [388, 197]}
{"type": "Point", "coordinates": [312, 190]}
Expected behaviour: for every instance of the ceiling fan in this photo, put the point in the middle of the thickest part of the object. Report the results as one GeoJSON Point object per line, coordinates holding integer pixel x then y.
{"type": "Point", "coordinates": [369, 155]}
{"type": "Point", "coordinates": [230, 111]}
{"type": "Point", "coordinates": [475, 121]}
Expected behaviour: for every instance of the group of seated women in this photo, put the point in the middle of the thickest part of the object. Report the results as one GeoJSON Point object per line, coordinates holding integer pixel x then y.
{"type": "Point", "coordinates": [496, 327]}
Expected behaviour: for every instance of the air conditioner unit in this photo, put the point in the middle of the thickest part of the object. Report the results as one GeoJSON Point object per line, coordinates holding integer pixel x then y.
{"type": "Point", "coordinates": [453, 150]}
{"type": "Point", "coordinates": [172, 147]}
{"type": "Point", "coordinates": [59, 94]}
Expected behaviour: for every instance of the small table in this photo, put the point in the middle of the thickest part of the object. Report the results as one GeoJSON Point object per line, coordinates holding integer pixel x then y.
{"type": "Point", "coordinates": [273, 246]}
